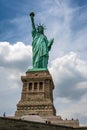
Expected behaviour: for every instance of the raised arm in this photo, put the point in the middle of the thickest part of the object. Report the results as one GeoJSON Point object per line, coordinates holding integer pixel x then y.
{"type": "Point", "coordinates": [32, 19]}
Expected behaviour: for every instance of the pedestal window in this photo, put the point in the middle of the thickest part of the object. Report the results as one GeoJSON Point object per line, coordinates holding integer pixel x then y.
{"type": "Point", "coordinates": [30, 86]}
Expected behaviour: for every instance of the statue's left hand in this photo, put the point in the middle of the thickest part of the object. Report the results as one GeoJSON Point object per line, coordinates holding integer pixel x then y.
{"type": "Point", "coordinates": [52, 40]}
{"type": "Point", "coordinates": [50, 43]}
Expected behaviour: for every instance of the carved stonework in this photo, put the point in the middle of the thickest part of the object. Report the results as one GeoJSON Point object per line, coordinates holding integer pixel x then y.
{"type": "Point", "coordinates": [37, 94]}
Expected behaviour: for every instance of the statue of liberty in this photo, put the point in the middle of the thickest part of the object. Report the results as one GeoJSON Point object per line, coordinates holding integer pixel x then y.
{"type": "Point", "coordinates": [40, 45]}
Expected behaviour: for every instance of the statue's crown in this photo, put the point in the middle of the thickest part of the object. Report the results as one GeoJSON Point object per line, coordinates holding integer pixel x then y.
{"type": "Point", "coordinates": [42, 26]}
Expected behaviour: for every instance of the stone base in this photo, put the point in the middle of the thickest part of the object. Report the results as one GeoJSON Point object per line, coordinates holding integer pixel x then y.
{"type": "Point", "coordinates": [37, 98]}
{"type": "Point", "coordinates": [37, 94]}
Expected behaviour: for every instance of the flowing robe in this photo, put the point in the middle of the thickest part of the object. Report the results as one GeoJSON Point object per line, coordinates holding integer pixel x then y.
{"type": "Point", "coordinates": [40, 50]}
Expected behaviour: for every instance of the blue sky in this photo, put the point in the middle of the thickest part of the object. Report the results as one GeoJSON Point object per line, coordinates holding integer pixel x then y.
{"type": "Point", "coordinates": [66, 22]}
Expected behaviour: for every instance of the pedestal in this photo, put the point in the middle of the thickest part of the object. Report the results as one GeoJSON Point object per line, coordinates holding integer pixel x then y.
{"type": "Point", "coordinates": [37, 94]}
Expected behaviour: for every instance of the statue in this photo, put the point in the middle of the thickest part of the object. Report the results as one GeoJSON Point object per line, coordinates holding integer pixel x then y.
{"type": "Point", "coordinates": [40, 45]}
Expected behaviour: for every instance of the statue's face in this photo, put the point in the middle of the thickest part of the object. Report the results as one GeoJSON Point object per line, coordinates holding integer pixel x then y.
{"type": "Point", "coordinates": [40, 29]}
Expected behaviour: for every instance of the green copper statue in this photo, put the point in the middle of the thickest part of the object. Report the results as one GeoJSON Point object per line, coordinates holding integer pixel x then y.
{"type": "Point", "coordinates": [40, 45]}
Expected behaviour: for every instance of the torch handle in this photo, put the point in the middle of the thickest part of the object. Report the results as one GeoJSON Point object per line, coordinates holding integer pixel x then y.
{"type": "Point", "coordinates": [32, 19]}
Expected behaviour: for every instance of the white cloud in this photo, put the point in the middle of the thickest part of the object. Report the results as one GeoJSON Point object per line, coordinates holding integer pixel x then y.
{"type": "Point", "coordinates": [69, 73]}
{"type": "Point", "coordinates": [14, 52]}
{"type": "Point", "coordinates": [15, 55]}
{"type": "Point", "coordinates": [14, 61]}
{"type": "Point", "coordinates": [82, 85]}
{"type": "Point", "coordinates": [18, 52]}
{"type": "Point", "coordinates": [70, 78]}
